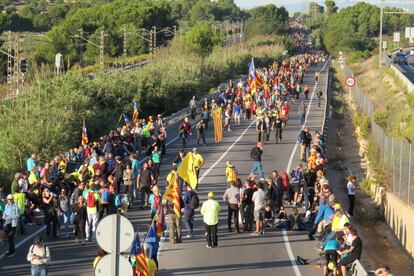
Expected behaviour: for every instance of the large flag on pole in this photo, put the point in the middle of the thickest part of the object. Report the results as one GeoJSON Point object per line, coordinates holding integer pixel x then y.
{"type": "Point", "coordinates": [135, 113]}
{"type": "Point", "coordinates": [255, 80]}
{"type": "Point", "coordinates": [152, 242]}
{"type": "Point", "coordinates": [218, 124]}
{"type": "Point", "coordinates": [187, 170]}
{"type": "Point", "coordinates": [173, 195]}
{"type": "Point", "coordinates": [85, 139]}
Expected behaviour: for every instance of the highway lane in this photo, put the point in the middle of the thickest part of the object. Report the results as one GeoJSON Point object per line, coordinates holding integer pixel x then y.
{"type": "Point", "coordinates": [243, 254]}
{"type": "Point", "coordinates": [267, 253]}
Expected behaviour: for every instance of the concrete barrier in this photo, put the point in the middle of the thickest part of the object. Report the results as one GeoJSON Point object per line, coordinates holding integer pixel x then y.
{"type": "Point", "coordinates": [399, 217]}
{"type": "Point", "coordinates": [357, 269]}
{"type": "Point", "coordinates": [408, 83]}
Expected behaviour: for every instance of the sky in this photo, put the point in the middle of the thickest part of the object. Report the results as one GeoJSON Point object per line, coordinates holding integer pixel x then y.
{"type": "Point", "coordinates": [299, 5]}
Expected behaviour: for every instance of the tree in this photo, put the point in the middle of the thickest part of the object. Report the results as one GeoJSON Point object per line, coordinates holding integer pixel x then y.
{"type": "Point", "coordinates": [201, 39]}
{"type": "Point", "coordinates": [331, 7]}
{"type": "Point", "coordinates": [267, 20]}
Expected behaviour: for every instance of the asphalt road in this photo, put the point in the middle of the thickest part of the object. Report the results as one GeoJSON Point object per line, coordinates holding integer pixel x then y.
{"type": "Point", "coordinates": [407, 70]}
{"type": "Point", "coordinates": [237, 254]}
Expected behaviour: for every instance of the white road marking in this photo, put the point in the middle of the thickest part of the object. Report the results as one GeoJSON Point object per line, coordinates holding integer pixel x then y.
{"type": "Point", "coordinates": [162, 241]}
{"type": "Point", "coordinates": [292, 155]}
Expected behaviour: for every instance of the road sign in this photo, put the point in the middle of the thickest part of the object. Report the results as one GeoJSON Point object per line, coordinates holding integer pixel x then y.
{"type": "Point", "coordinates": [350, 82]}
{"type": "Point", "coordinates": [396, 37]}
{"type": "Point", "coordinates": [114, 228]}
{"type": "Point", "coordinates": [384, 44]}
{"type": "Point", "coordinates": [407, 32]}
{"type": "Point", "coordinates": [105, 266]}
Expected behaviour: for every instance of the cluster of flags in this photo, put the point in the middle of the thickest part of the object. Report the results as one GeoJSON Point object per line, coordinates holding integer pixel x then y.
{"type": "Point", "coordinates": [255, 80]}
{"type": "Point", "coordinates": [140, 264]}
{"type": "Point", "coordinates": [127, 120]}
{"type": "Point", "coordinates": [135, 113]}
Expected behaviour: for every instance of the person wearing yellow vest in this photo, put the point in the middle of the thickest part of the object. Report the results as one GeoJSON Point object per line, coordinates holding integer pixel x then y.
{"type": "Point", "coordinates": [231, 173]}
{"type": "Point", "coordinates": [198, 162]}
{"type": "Point", "coordinates": [20, 200]}
{"type": "Point", "coordinates": [210, 212]}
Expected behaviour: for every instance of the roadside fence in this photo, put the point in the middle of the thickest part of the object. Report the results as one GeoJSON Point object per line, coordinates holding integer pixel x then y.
{"type": "Point", "coordinates": [396, 153]}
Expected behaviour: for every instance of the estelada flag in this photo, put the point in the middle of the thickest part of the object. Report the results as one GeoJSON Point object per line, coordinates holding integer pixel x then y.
{"type": "Point", "coordinates": [85, 139]}
{"type": "Point", "coordinates": [218, 124]}
{"type": "Point", "coordinates": [135, 113]}
{"type": "Point", "coordinates": [173, 195]}
{"type": "Point", "coordinates": [255, 80]}
{"type": "Point", "coordinates": [187, 171]}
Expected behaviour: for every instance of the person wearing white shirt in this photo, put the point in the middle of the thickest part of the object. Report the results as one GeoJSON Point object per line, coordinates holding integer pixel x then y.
{"type": "Point", "coordinates": [351, 187]}
{"type": "Point", "coordinates": [10, 216]}
{"type": "Point", "coordinates": [259, 203]}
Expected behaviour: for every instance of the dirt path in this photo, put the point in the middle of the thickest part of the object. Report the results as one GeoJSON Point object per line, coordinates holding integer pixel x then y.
{"type": "Point", "coordinates": [380, 247]}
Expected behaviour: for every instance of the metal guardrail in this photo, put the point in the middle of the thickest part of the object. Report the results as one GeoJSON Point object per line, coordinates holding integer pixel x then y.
{"type": "Point", "coordinates": [357, 269]}
{"type": "Point", "coordinates": [328, 109]}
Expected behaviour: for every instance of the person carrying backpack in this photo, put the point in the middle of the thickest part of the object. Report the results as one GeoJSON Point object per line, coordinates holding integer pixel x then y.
{"type": "Point", "coordinates": [191, 202]}
{"type": "Point", "coordinates": [106, 196]}
{"type": "Point", "coordinates": [92, 199]}
{"type": "Point", "coordinates": [39, 257]}
{"type": "Point", "coordinates": [231, 173]}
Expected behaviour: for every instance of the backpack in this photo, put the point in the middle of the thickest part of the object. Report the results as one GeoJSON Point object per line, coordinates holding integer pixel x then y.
{"type": "Point", "coordinates": [253, 154]}
{"type": "Point", "coordinates": [194, 201]}
{"type": "Point", "coordinates": [105, 195]}
{"type": "Point", "coordinates": [90, 201]}
{"type": "Point", "coordinates": [285, 181]}
{"type": "Point", "coordinates": [234, 173]}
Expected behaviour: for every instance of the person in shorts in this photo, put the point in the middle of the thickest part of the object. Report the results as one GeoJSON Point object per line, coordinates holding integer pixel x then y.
{"type": "Point", "coordinates": [259, 204]}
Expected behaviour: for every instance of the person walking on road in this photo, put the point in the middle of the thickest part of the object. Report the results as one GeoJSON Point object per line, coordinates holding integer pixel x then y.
{"type": "Point", "coordinates": [198, 162]}
{"type": "Point", "coordinates": [201, 126]}
{"type": "Point", "coordinates": [10, 216]}
{"type": "Point", "coordinates": [247, 203]}
{"type": "Point", "coordinates": [189, 211]}
{"type": "Point", "coordinates": [144, 182]}
{"type": "Point", "coordinates": [39, 257]}
{"type": "Point", "coordinates": [303, 108]}
{"type": "Point", "coordinates": [305, 142]}
{"type": "Point", "coordinates": [256, 155]}
{"type": "Point", "coordinates": [50, 211]}
{"type": "Point", "coordinates": [174, 222]}
{"type": "Point", "coordinates": [193, 107]}
{"type": "Point", "coordinates": [319, 97]}
{"type": "Point", "coordinates": [232, 197]}
{"type": "Point", "coordinates": [277, 126]}
{"type": "Point", "coordinates": [259, 200]}
{"type": "Point", "coordinates": [185, 131]}
{"type": "Point", "coordinates": [81, 217]}
{"type": "Point", "coordinates": [210, 212]}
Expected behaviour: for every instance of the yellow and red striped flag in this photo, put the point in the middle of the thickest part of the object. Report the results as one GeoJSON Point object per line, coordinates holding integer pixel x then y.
{"type": "Point", "coordinates": [173, 195]}
{"type": "Point", "coordinates": [141, 265]}
{"type": "Point", "coordinates": [85, 139]}
{"type": "Point", "coordinates": [218, 124]}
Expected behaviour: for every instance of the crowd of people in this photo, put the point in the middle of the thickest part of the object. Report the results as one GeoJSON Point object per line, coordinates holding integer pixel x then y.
{"type": "Point", "coordinates": [106, 177]}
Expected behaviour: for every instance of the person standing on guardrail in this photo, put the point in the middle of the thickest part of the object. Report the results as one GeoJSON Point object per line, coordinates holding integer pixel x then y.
{"type": "Point", "coordinates": [193, 107]}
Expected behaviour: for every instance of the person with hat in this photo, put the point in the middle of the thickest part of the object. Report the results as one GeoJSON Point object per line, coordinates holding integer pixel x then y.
{"type": "Point", "coordinates": [210, 211]}
{"type": "Point", "coordinates": [39, 257]}
{"type": "Point", "coordinates": [10, 216]}
{"type": "Point", "coordinates": [231, 173]}
{"type": "Point", "coordinates": [198, 162]}
{"type": "Point", "coordinates": [155, 200]}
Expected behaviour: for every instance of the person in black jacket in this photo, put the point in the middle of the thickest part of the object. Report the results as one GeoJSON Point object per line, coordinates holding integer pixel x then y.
{"type": "Point", "coordinates": [305, 142]}
{"type": "Point", "coordinates": [79, 210]}
{"type": "Point", "coordinates": [118, 172]}
{"type": "Point", "coordinates": [256, 155]}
